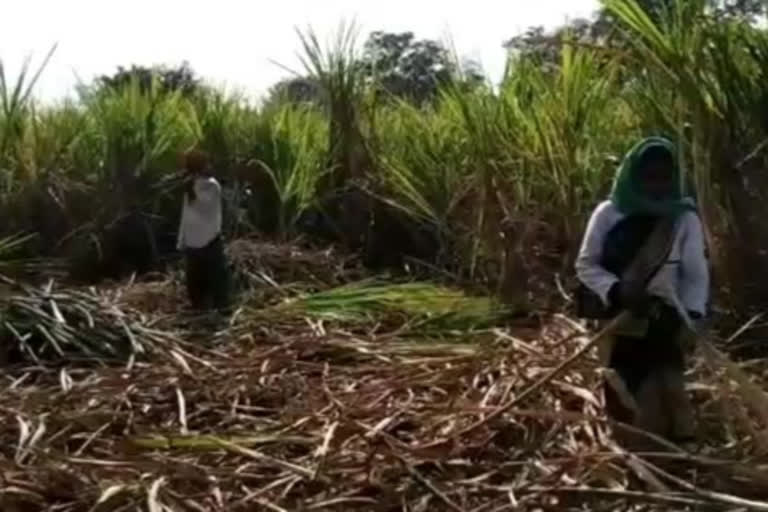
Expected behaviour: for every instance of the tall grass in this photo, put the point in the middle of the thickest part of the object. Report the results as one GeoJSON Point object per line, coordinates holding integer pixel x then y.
{"type": "Point", "coordinates": [421, 153]}
{"type": "Point", "coordinates": [14, 112]}
{"type": "Point", "coordinates": [504, 178]}
{"type": "Point", "coordinates": [709, 75]}
{"type": "Point", "coordinates": [495, 171]}
{"type": "Point", "coordinates": [334, 67]}
{"type": "Point", "coordinates": [295, 162]}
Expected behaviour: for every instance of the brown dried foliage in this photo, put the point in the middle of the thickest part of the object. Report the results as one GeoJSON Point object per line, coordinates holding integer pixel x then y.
{"type": "Point", "coordinates": [294, 414]}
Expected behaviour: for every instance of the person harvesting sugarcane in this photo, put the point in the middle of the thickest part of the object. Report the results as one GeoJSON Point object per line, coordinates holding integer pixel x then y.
{"type": "Point", "coordinates": [643, 252]}
{"type": "Point", "coordinates": [199, 237]}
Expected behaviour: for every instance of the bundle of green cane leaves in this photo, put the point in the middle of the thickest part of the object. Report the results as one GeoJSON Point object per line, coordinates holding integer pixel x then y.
{"type": "Point", "coordinates": [422, 305]}
{"type": "Point", "coordinates": [43, 324]}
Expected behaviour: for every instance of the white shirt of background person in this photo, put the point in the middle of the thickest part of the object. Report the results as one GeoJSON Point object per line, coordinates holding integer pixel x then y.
{"type": "Point", "coordinates": [201, 216]}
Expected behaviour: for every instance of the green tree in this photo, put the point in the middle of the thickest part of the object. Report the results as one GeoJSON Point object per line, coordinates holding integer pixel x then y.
{"type": "Point", "coordinates": [749, 10]}
{"type": "Point", "coordinates": [544, 47]}
{"type": "Point", "coordinates": [746, 10]}
{"type": "Point", "coordinates": [297, 89]}
{"type": "Point", "coordinates": [399, 65]}
{"type": "Point", "coordinates": [180, 78]}
{"type": "Point", "coordinates": [414, 69]}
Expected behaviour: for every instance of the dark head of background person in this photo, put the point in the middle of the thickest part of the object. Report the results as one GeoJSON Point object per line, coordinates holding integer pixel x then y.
{"type": "Point", "coordinates": [196, 166]}
{"type": "Point", "coordinates": [648, 181]}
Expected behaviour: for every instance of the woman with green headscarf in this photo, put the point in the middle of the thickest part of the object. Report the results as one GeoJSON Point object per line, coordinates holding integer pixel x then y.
{"type": "Point", "coordinates": [643, 251]}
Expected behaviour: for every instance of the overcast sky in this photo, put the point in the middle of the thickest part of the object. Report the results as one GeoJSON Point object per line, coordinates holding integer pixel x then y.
{"type": "Point", "coordinates": [233, 42]}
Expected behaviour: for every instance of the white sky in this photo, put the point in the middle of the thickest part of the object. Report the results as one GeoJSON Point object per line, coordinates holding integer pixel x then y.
{"type": "Point", "coordinates": [233, 42]}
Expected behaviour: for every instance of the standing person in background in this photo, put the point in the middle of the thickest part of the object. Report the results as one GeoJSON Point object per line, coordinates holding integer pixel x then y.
{"type": "Point", "coordinates": [643, 251]}
{"type": "Point", "coordinates": [207, 273]}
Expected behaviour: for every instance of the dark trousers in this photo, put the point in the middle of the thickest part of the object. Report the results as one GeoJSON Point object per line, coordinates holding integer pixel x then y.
{"type": "Point", "coordinates": [651, 367]}
{"type": "Point", "coordinates": [208, 276]}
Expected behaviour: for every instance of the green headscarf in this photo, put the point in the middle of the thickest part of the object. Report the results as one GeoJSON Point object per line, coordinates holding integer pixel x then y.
{"type": "Point", "coordinates": [627, 194]}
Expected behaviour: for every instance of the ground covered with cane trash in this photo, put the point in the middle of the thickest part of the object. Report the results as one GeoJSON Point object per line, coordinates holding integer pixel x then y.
{"type": "Point", "coordinates": [330, 389]}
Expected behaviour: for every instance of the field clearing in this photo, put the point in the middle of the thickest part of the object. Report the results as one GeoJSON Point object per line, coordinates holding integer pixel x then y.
{"type": "Point", "coordinates": [334, 385]}
{"type": "Point", "coordinates": [350, 398]}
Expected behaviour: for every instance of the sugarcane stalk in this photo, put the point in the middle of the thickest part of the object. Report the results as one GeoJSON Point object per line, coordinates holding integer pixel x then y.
{"type": "Point", "coordinates": [754, 397]}
{"type": "Point", "coordinates": [608, 330]}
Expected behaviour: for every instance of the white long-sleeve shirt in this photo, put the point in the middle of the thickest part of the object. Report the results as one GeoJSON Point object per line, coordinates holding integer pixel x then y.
{"type": "Point", "coordinates": [200, 218]}
{"type": "Point", "coordinates": [685, 275]}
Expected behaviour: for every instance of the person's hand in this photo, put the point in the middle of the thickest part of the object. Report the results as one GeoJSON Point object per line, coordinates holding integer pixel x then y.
{"type": "Point", "coordinates": [701, 323]}
{"type": "Point", "coordinates": [623, 296]}
{"type": "Point", "coordinates": [690, 334]}
{"type": "Point", "coordinates": [189, 186]}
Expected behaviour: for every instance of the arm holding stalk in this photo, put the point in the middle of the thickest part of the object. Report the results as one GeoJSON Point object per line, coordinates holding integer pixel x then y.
{"type": "Point", "coordinates": [180, 242]}
{"type": "Point", "coordinates": [588, 268]}
{"type": "Point", "coordinates": [593, 275]}
{"type": "Point", "coordinates": [694, 279]}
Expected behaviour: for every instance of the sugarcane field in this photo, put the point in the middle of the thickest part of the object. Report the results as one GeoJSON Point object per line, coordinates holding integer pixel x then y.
{"type": "Point", "coordinates": [394, 282]}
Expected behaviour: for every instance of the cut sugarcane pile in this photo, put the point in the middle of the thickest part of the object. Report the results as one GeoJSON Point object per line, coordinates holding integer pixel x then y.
{"type": "Point", "coordinates": [261, 263]}
{"type": "Point", "coordinates": [48, 323]}
{"type": "Point", "coordinates": [366, 397]}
